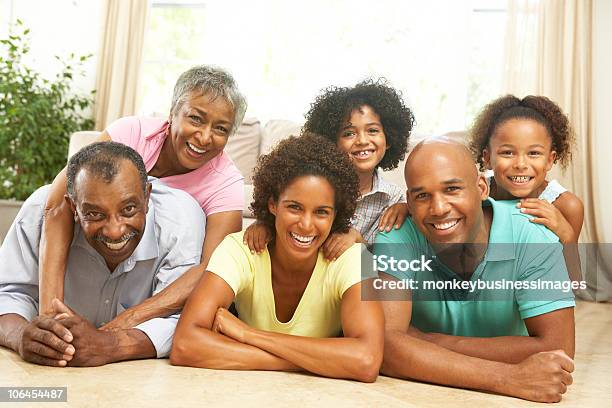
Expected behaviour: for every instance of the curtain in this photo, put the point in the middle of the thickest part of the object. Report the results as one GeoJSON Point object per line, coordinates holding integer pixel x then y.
{"type": "Point", "coordinates": [119, 59]}
{"type": "Point", "coordinates": [548, 52]}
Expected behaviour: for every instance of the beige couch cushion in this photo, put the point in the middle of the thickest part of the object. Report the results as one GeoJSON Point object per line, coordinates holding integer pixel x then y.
{"type": "Point", "coordinates": [79, 140]}
{"type": "Point", "coordinates": [243, 147]}
{"type": "Point", "coordinates": [276, 130]}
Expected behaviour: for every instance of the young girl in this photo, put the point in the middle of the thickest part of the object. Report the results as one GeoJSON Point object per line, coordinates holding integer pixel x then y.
{"type": "Point", "coordinates": [519, 140]}
{"type": "Point", "coordinates": [371, 123]}
{"type": "Point", "coordinates": [297, 310]}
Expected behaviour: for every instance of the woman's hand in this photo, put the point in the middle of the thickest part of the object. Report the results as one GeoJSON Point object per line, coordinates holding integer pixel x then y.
{"type": "Point", "coordinates": [548, 215]}
{"type": "Point", "coordinates": [257, 236]}
{"type": "Point", "coordinates": [123, 321]}
{"type": "Point", "coordinates": [393, 217]}
{"type": "Point", "coordinates": [336, 244]}
{"type": "Point", "coordinates": [229, 325]}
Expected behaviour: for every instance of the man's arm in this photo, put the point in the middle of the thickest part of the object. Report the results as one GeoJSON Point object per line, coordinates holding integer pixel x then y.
{"type": "Point", "coordinates": [547, 332]}
{"type": "Point", "coordinates": [43, 341]}
{"type": "Point", "coordinates": [542, 377]}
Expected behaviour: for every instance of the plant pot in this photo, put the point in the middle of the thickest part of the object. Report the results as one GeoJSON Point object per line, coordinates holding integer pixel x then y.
{"type": "Point", "coordinates": [8, 211]}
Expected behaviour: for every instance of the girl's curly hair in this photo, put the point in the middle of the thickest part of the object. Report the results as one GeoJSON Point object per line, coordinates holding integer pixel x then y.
{"type": "Point", "coordinates": [306, 155]}
{"type": "Point", "coordinates": [333, 107]}
{"type": "Point", "coordinates": [537, 108]}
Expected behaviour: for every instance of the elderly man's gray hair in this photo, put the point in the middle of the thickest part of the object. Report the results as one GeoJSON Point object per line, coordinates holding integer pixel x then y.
{"type": "Point", "coordinates": [208, 79]}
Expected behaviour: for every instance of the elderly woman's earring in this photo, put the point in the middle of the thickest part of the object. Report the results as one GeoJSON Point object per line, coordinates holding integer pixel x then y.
{"type": "Point", "coordinates": [76, 217]}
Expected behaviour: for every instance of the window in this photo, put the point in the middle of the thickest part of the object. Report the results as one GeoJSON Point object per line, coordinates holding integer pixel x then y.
{"type": "Point", "coordinates": [445, 56]}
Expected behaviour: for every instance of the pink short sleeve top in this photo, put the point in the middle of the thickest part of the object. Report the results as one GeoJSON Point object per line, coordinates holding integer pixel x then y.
{"type": "Point", "coordinates": [217, 186]}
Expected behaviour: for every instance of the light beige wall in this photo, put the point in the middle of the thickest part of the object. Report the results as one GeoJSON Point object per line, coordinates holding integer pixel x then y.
{"type": "Point", "coordinates": [602, 111]}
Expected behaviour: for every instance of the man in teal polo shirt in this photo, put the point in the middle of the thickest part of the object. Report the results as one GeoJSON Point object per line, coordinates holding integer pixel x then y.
{"type": "Point", "coordinates": [459, 328]}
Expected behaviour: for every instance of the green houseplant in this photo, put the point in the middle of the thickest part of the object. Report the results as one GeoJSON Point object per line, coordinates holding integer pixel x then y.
{"type": "Point", "coordinates": [37, 117]}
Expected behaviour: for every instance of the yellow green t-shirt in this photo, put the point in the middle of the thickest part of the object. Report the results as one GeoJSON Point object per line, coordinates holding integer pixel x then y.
{"type": "Point", "coordinates": [250, 277]}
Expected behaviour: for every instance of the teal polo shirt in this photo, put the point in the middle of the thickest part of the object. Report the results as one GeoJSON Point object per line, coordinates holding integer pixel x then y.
{"type": "Point", "coordinates": [522, 275]}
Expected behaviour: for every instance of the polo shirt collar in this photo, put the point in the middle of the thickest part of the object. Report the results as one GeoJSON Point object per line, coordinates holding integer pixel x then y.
{"type": "Point", "coordinates": [380, 185]}
{"type": "Point", "coordinates": [501, 242]}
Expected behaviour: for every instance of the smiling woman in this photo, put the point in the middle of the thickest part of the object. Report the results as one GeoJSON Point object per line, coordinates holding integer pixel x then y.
{"type": "Point", "coordinates": [297, 310]}
{"type": "Point", "coordinates": [185, 152]}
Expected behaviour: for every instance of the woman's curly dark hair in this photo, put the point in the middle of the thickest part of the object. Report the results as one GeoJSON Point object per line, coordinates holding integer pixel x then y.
{"type": "Point", "coordinates": [333, 107]}
{"type": "Point", "coordinates": [306, 155]}
{"type": "Point", "coordinates": [537, 108]}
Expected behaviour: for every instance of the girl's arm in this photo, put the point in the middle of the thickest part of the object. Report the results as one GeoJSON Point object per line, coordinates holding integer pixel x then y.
{"type": "Point", "coordinates": [173, 297]}
{"type": "Point", "coordinates": [572, 210]}
{"type": "Point", "coordinates": [56, 236]}
{"type": "Point", "coordinates": [564, 217]}
{"type": "Point", "coordinates": [195, 344]}
{"type": "Point", "coordinates": [357, 356]}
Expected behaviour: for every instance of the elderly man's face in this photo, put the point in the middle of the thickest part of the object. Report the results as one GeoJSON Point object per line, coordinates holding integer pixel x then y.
{"type": "Point", "coordinates": [445, 193]}
{"type": "Point", "coordinates": [112, 215]}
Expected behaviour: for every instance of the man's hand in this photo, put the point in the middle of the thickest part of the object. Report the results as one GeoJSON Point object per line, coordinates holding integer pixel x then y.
{"type": "Point", "coordinates": [228, 324]}
{"type": "Point", "coordinates": [542, 377]}
{"type": "Point", "coordinates": [46, 341]}
{"type": "Point", "coordinates": [393, 217]}
{"type": "Point", "coordinates": [93, 347]}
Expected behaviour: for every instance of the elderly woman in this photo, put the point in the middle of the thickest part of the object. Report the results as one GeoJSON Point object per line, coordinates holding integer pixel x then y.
{"type": "Point", "coordinates": [297, 310]}
{"type": "Point", "coordinates": [186, 152]}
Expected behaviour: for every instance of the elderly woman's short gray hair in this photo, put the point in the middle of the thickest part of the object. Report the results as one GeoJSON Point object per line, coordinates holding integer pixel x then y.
{"type": "Point", "coordinates": [208, 79]}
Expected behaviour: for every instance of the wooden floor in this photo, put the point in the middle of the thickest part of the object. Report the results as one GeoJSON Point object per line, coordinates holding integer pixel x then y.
{"type": "Point", "coordinates": [152, 383]}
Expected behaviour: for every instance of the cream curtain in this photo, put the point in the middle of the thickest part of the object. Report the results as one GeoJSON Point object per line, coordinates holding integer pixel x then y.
{"type": "Point", "coordinates": [120, 59]}
{"type": "Point", "coordinates": [548, 52]}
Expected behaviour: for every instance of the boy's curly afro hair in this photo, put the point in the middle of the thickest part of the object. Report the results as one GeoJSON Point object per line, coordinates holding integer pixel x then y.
{"type": "Point", "coordinates": [537, 108]}
{"type": "Point", "coordinates": [306, 155]}
{"type": "Point", "coordinates": [333, 107]}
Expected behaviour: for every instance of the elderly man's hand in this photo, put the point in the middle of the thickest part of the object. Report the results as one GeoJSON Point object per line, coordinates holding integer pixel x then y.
{"type": "Point", "coordinates": [46, 341]}
{"type": "Point", "coordinates": [93, 347]}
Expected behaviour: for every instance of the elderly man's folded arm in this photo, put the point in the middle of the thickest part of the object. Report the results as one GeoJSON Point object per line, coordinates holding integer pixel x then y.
{"type": "Point", "coordinates": [11, 329]}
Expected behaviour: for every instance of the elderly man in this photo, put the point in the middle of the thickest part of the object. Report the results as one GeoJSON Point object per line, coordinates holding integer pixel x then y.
{"type": "Point", "coordinates": [132, 239]}
{"type": "Point", "coordinates": [515, 340]}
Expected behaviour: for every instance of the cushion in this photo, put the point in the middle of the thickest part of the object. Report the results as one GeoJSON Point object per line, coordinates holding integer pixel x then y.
{"type": "Point", "coordinates": [243, 147]}
{"type": "Point", "coordinates": [276, 130]}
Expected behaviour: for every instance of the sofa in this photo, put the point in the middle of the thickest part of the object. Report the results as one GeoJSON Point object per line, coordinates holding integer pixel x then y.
{"type": "Point", "coordinates": [244, 147]}
{"type": "Point", "coordinates": [251, 140]}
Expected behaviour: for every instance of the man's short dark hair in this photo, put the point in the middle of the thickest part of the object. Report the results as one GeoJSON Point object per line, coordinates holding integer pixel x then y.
{"type": "Point", "coordinates": [103, 159]}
